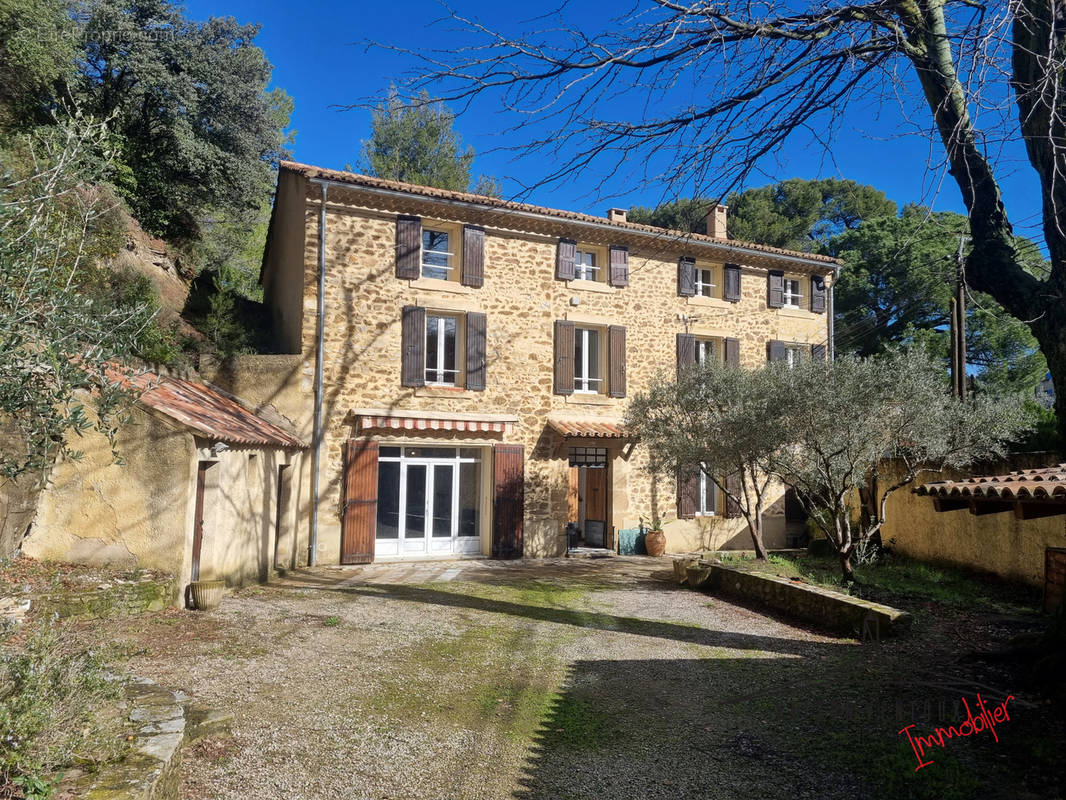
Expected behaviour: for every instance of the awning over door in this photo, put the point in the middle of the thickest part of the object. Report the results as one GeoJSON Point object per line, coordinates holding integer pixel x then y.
{"type": "Point", "coordinates": [395, 420]}
{"type": "Point", "coordinates": [590, 428]}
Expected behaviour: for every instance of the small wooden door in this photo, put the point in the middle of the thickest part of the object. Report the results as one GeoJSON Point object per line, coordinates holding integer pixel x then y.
{"type": "Point", "coordinates": [360, 502]}
{"type": "Point", "coordinates": [198, 517]}
{"type": "Point", "coordinates": [508, 501]}
{"type": "Point", "coordinates": [596, 506]}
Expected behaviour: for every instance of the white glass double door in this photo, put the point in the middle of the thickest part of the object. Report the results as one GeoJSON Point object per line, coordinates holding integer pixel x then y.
{"type": "Point", "coordinates": [428, 501]}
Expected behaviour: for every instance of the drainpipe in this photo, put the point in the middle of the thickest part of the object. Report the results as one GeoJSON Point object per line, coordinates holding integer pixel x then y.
{"type": "Point", "coordinates": [831, 310]}
{"type": "Point", "coordinates": [312, 546]}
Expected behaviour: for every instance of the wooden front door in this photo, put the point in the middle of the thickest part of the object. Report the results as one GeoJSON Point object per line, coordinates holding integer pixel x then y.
{"type": "Point", "coordinates": [595, 506]}
{"type": "Point", "coordinates": [198, 517]}
{"type": "Point", "coordinates": [360, 502]}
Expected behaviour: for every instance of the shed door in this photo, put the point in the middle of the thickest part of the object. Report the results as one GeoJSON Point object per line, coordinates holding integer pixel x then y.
{"type": "Point", "coordinates": [360, 502]}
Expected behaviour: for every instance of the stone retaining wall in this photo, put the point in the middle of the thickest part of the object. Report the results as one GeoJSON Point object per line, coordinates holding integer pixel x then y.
{"type": "Point", "coordinates": [825, 608]}
{"type": "Point", "coordinates": [112, 599]}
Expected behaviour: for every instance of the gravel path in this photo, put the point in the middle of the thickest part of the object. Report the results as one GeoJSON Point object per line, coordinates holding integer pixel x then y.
{"type": "Point", "coordinates": [559, 679]}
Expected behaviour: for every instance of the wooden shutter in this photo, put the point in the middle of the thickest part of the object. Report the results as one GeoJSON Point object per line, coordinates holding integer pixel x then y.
{"type": "Point", "coordinates": [688, 494]}
{"type": "Point", "coordinates": [408, 247]}
{"type": "Point", "coordinates": [360, 501]}
{"type": "Point", "coordinates": [818, 294]}
{"type": "Point", "coordinates": [732, 283]}
{"type": "Point", "coordinates": [686, 277]}
{"type": "Point", "coordinates": [732, 352]}
{"type": "Point", "coordinates": [566, 259]}
{"type": "Point", "coordinates": [475, 351]}
{"type": "Point", "coordinates": [732, 483]}
{"type": "Point", "coordinates": [686, 351]}
{"type": "Point", "coordinates": [776, 289]}
{"type": "Point", "coordinates": [818, 352]}
{"type": "Point", "coordinates": [413, 346]}
{"type": "Point", "coordinates": [775, 350]}
{"type": "Point", "coordinates": [564, 357]}
{"type": "Point", "coordinates": [473, 272]}
{"type": "Point", "coordinates": [508, 500]}
{"type": "Point", "coordinates": [619, 275]}
{"type": "Point", "coordinates": [616, 361]}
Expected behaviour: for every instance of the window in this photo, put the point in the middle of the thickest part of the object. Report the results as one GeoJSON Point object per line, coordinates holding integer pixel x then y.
{"type": "Point", "coordinates": [442, 345]}
{"type": "Point", "coordinates": [795, 353]}
{"type": "Point", "coordinates": [708, 351]}
{"type": "Point", "coordinates": [438, 254]}
{"type": "Point", "coordinates": [587, 266]}
{"type": "Point", "coordinates": [707, 500]}
{"type": "Point", "coordinates": [588, 360]}
{"type": "Point", "coordinates": [793, 295]}
{"type": "Point", "coordinates": [706, 285]}
{"type": "Point", "coordinates": [588, 456]}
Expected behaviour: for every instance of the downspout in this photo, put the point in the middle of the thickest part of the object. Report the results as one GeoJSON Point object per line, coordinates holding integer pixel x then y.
{"type": "Point", "coordinates": [831, 310]}
{"type": "Point", "coordinates": [312, 546]}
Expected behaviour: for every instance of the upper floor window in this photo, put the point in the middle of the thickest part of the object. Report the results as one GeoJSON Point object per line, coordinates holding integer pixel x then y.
{"type": "Point", "coordinates": [585, 262]}
{"type": "Point", "coordinates": [441, 348]}
{"type": "Point", "coordinates": [588, 360]}
{"type": "Point", "coordinates": [793, 292]}
{"type": "Point", "coordinates": [706, 281]}
{"type": "Point", "coordinates": [440, 251]}
{"type": "Point", "coordinates": [438, 254]}
{"type": "Point", "coordinates": [588, 265]}
{"type": "Point", "coordinates": [442, 345]}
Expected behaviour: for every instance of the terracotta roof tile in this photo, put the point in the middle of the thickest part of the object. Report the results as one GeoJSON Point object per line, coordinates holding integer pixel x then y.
{"type": "Point", "coordinates": [205, 410]}
{"type": "Point", "coordinates": [595, 428]}
{"type": "Point", "coordinates": [496, 203]}
{"type": "Point", "coordinates": [1044, 484]}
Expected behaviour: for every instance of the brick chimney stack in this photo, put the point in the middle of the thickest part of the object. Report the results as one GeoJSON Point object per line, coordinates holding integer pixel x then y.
{"type": "Point", "coordinates": [616, 215]}
{"type": "Point", "coordinates": [716, 221]}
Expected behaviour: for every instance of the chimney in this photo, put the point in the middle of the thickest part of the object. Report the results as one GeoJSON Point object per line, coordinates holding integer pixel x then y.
{"type": "Point", "coordinates": [716, 221]}
{"type": "Point", "coordinates": [616, 215]}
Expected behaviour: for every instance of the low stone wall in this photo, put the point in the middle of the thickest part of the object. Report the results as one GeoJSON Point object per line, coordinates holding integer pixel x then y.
{"type": "Point", "coordinates": [152, 768]}
{"type": "Point", "coordinates": [117, 598]}
{"type": "Point", "coordinates": [825, 608]}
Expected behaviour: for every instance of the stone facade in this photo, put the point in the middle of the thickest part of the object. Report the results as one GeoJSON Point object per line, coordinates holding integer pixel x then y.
{"type": "Point", "coordinates": [522, 300]}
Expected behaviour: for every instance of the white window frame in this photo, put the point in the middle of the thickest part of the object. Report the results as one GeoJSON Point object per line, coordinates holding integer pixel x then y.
{"type": "Point", "coordinates": [441, 374]}
{"type": "Point", "coordinates": [584, 271]}
{"type": "Point", "coordinates": [713, 344]}
{"type": "Point", "coordinates": [790, 298]}
{"type": "Point", "coordinates": [705, 484]}
{"type": "Point", "coordinates": [454, 234]}
{"type": "Point", "coordinates": [706, 280]}
{"type": "Point", "coordinates": [795, 353]}
{"type": "Point", "coordinates": [583, 382]}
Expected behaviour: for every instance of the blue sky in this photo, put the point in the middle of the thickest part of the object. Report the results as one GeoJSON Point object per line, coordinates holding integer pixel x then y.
{"type": "Point", "coordinates": [314, 46]}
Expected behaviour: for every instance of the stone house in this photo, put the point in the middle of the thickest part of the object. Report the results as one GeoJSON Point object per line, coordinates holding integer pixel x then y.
{"type": "Point", "coordinates": [462, 364]}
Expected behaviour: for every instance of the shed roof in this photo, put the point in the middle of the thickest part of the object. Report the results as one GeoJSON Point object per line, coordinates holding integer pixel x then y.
{"type": "Point", "coordinates": [592, 428]}
{"type": "Point", "coordinates": [205, 409]}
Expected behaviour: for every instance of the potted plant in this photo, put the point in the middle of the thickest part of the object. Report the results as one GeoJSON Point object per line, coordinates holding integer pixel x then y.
{"type": "Point", "coordinates": [654, 538]}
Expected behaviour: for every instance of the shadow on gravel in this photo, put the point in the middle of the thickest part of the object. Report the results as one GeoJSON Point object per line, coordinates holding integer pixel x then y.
{"type": "Point", "coordinates": [597, 620]}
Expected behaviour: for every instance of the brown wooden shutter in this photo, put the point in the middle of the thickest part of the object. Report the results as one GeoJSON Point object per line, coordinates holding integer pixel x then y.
{"type": "Point", "coordinates": [818, 352]}
{"type": "Point", "coordinates": [686, 351]}
{"type": "Point", "coordinates": [732, 352]}
{"type": "Point", "coordinates": [508, 500]}
{"type": "Point", "coordinates": [408, 247]}
{"type": "Point", "coordinates": [616, 361]}
{"type": "Point", "coordinates": [688, 494]}
{"type": "Point", "coordinates": [776, 289]}
{"type": "Point", "coordinates": [413, 346]}
{"type": "Point", "coordinates": [732, 508]}
{"type": "Point", "coordinates": [619, 275]}
{"type": "Point", "coordinates": [473, 272]}
{"type": "Point", "coordinates": [564, 357]}
{"type": "Point", "coordinates": [360, 501]}
{"type": "Point", "coordinates": [818, 294]}
{"type": "Point", "coordinates": [566, 259]}
{"type": "Point", "coordinates": [775, 351]}
{"type": "Point", "coordinates": [686, 277]}
{"type": "Point", "coordinates": [732, 283]}
{"type": "Point", "coordinates": [475, 351]}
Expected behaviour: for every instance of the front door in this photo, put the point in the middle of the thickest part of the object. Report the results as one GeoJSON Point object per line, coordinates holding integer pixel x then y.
{"type": "Point", "coordinates": [587, 504]}
{"type": "Point", "coordinates": [428, 501]}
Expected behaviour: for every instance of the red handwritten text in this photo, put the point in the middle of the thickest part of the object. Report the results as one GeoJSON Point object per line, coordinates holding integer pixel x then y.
{"type": "Point", "coordinates": [986, 720]}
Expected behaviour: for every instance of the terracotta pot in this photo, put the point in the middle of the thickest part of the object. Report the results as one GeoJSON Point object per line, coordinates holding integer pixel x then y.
{"type": "Point", "coordinates": [206, 594]}
{"type": "Point", "coordinates": [655, 543]}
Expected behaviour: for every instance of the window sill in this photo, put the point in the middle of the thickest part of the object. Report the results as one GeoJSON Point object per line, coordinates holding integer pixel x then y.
{"type": "Point", "coordinates": [713, 302]}
{"type": "Point", "coordinates": [787, 311]}
{"type": "Point", "coordinates": [579, 399]}
{"type": "Point", "coordinates": [444, 391]}
{"type": "Point", "coordinates": [437, 285]}
{"type": "Point", "coordinates": [591, 286]}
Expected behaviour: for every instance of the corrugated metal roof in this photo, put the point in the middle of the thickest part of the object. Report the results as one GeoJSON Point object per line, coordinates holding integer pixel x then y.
{"type": "Point", "coordinates": [496, 203]}
{"type": "Point", "coordinates": [1047, 484]}
{"type": "Point", "coordinates": [206, 410]}
{"type": "Point", "coordinates": [594, 428]}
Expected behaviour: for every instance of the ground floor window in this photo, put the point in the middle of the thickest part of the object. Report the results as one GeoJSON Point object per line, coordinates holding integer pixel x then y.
{"type": "Point", "coordinates": [707, 505]}
{"type": "Point", "coordinates": [429, 500]}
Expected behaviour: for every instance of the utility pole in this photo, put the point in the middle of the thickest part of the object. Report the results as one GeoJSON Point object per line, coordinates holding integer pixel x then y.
{"type": "Point", "coordinates": [958, 326]}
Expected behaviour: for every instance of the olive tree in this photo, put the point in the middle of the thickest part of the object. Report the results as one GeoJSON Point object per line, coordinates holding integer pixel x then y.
{"type": "Point", "coordinates": [847, 418]}
{"type": "Point", "coordinates": [720, 420]}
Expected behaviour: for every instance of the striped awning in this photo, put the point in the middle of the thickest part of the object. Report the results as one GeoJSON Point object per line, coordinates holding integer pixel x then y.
{"type": "Point", "coordinates": [428, 421]}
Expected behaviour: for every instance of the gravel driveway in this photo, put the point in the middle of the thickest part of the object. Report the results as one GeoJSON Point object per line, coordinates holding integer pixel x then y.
{"type": "Point", "coordinates": [565, 679]}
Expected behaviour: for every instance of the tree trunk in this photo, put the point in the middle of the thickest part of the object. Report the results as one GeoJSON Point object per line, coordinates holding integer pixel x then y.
{"type": "Point", "coordinates": [848, 574]}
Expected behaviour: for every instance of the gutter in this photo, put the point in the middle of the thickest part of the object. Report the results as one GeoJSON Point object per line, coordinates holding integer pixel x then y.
{"type": "Point", "coordinates": [592, 224]}
{"type": "Point", "coordinates": [316, 453]}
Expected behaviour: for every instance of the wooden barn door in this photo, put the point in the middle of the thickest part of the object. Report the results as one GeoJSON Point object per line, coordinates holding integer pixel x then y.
{"type": "Point", "coordinates": [508, 500]}
{"type": "Point", "coordinates": [360, 501]}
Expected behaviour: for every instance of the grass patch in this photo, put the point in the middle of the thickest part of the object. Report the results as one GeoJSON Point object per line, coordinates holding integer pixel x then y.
{"type": "Point", "coordinates": [332, 621]}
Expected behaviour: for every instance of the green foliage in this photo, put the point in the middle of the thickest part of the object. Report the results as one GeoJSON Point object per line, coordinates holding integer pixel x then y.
{"type": "Point", "coordinates": [194, 124]}
{"type": "Point", "coordinates": [53, 701]}
{"type": "Point", "coordinates": [231, 323]}
{"type": "Point", "coordinates": [37, 50]}
{"type": "Point", "coordinates": [687, 214]}
{"type": "Point", "coordinates": [414, 142]}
